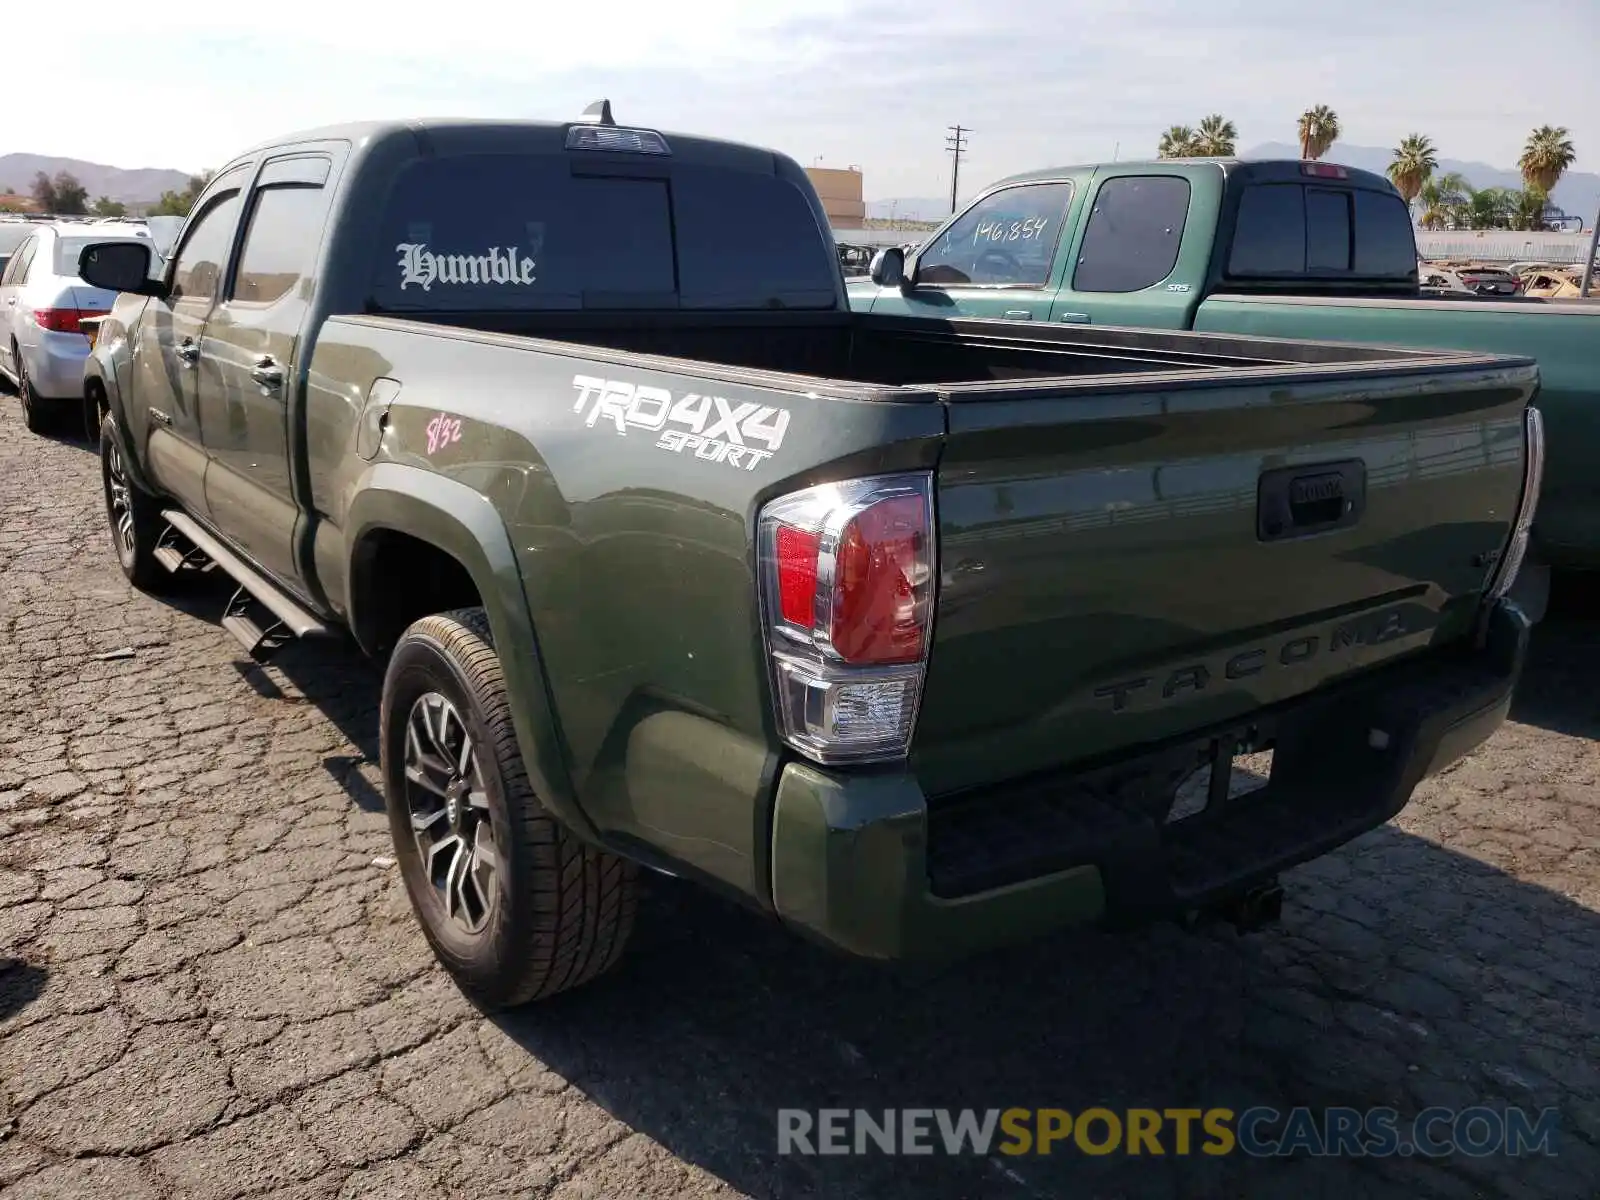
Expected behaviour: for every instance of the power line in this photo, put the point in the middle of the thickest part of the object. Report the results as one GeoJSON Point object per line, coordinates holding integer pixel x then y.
{"type": "Point", "coordinates": [956, 144]}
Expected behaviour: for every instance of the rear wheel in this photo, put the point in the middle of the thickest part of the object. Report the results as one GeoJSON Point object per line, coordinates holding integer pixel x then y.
{"type": "Point", "coordinates": [36, 413]}
{"type": "Point", "coordinates": [516, 908]}
{"type": "Point", "coordinates": [133, 514]}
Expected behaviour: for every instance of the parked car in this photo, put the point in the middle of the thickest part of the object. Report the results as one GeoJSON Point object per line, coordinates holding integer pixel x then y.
{"type": "Point", "coordinates": [42, 301]}
{"type": "Point", "coordinates": [1282, 249]}
{"type": "Point", "coordinates": [854, 260]}
{"type": "Point", "coordinates": [1554, 283]}
{"type": "Point", "coordinates": [905, 633]}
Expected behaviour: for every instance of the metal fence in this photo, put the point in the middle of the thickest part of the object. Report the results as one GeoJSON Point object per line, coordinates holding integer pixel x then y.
{"type": "Point", "coordinates": [1494, 245]}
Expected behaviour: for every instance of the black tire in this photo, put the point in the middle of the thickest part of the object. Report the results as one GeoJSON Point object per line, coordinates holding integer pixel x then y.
{"type": "Point", "coordinates": [135, 538]}
{"type": "Point", "coordinates": [37, 414]}
{"type": "Point", "coordinates": [556, 912]}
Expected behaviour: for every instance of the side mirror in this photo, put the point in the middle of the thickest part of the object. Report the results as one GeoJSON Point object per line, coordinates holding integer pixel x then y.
{"type": "Point", "coordinates": [888, 267]}
{"type": "Point", "coordinates": [118, 267]}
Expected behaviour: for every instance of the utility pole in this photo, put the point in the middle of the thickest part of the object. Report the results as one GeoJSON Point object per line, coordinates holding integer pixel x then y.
{"type": "Point", "coordinates": [1588, 263]}
{"type": "Point", "coordinates": [956, 143]}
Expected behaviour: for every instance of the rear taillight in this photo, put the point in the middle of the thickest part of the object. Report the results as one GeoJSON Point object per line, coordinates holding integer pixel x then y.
{"type": "Point", "coordinates": [1532, 480]}
{"type": "Point", "coordinates": [64, 320]}
{"type": "Point", "coordinates": [847, 583]}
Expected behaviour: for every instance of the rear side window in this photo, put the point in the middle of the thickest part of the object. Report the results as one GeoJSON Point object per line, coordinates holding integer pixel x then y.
{"type": "Point", "coordinates": [508, 232]}
{"type": "Point", "coordinates": [280, 244]}
{"type": "Point", "coordinates": [69, 248]}
{"type": "Point", "coordinates": [1133, 235]}
{"type": "Point", "coordinates": [1290, 229]}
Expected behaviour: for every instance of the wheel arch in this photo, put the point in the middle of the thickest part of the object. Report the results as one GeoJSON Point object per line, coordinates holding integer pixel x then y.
{"type": "Point", "coordinates": [427, 539]}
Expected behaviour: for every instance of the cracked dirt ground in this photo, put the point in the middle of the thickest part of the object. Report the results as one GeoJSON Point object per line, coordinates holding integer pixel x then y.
{"type": "Point", "coordinates": [207, 988]}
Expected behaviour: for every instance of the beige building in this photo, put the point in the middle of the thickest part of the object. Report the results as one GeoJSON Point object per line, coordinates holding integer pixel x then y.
{"type": "Point", "coordinates": [840, 191]}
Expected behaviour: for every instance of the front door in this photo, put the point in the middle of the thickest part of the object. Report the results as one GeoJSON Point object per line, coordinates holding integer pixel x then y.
{"type": "Point", "coordinates": [251, 344]}
{"type": "Point", "coordinates": [996, 260]}
{"type": "Point", "coordinates": [166, 354]}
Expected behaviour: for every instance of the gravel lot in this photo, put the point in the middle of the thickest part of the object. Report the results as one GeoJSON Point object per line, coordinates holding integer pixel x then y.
{"type": "Point", "coordinates": [209, 988]}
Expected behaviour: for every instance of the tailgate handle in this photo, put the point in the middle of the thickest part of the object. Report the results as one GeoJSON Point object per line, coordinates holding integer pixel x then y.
{"type": "Point", "coordinates": [1294, 502]}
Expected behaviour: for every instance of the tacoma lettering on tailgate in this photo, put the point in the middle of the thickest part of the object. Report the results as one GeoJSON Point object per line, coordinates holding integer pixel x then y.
{"type": "Point", "coordinates": [714, 428]}
{"type": "Point", "coordinates": [1368, 630]}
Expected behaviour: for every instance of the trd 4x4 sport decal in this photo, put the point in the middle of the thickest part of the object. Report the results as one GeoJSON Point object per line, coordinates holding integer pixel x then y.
{"type": "Point", "coordinates": [740, 434]}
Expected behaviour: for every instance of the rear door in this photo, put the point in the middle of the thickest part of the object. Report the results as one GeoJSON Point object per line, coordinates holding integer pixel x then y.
{"type": "Point", "coordinates": [166, 354]}
{"type": "Point", "coordinates": [251, 346]}
{"type": "Point", "coordinates": [1140, 255]}
{"type": "Point", "coordinates": [16, 274]}
{"type": "Point", "coordinates": [996, 260]}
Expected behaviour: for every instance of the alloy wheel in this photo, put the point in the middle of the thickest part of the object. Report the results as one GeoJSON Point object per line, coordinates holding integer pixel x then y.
{"type": "Point", "coordinates": [449, 811]}
{"type": "Point", "coordinates": [120, 503]}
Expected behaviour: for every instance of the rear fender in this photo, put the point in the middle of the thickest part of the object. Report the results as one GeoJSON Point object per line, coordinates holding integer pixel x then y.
{"type": "Point", "coordinates": [106, 365]}
{"type": "Point", "coordinates": [454, 518]}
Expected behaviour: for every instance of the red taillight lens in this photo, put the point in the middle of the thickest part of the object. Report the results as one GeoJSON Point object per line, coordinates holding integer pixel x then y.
{"type": "Point", "coordinates": [797, 575]}
{"type": "Point", "coordinates": [847, 581]}
{"type": "Point", "coordinates": [877, 571]}
{"type": "Point", "coordinates": [64, 320]}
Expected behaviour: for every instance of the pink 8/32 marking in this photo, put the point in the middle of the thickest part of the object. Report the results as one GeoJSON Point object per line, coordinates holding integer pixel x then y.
{"type": "Point", "coordinates": [442, 430]}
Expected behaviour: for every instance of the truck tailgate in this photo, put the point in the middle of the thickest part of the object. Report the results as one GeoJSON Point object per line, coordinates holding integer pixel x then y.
{"type": "Point", "coordinates": [1124, 562]}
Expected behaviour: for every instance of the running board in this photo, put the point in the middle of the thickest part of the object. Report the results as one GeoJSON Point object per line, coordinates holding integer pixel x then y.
{"type": "Point", "coordinates": [259, 634]}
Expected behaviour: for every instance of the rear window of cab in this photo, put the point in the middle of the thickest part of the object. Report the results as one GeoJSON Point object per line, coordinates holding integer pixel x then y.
{"type": "Point", "coordinates": [1294, 229]}
{"type": "Point", "coordinates": [498, 232]}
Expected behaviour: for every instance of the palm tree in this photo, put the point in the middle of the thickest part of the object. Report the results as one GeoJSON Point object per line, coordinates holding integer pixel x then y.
{"type": "Point", "coordinates": [1177, 142]}
{"type": "Point", "coordinates": [1546, 157]}
{"type": "Point", "coordinates": [1528, 212]}
{"type": "Point", "coordinates": [1216, 137]}
{"type": "Point", "coordinates": [1319, 129]}
{"type": "Point", "coordinates": [1444, 201]}
{"type": "Point", "coordinates": [1414, 161]}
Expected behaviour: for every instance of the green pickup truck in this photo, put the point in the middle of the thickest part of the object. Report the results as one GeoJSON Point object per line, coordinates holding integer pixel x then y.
{"type": "Point", "coordinates": [910, 635]}
{"type": "Point", "coordinates": [1276, 249]}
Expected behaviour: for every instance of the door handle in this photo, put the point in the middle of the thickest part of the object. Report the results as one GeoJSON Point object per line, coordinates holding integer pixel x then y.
{"type": "Point", "coordinates": [1073, 318]}
{"type": "Point", "coordinates": [1018, 314]}
{"type": "Point", "coordinates": [267, 372]}
{"type": "Point", "coordinates": [188, 351]}
{"type": "Point", "coordinates": [11, 301]}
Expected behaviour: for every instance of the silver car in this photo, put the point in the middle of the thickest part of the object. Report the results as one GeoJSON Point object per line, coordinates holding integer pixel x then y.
{"type": "Point", "coordinates": [42, 300]}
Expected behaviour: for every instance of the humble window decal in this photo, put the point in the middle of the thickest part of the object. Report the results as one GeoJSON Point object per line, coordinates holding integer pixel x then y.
{"type": "Point", "coordinates": [502, 265]}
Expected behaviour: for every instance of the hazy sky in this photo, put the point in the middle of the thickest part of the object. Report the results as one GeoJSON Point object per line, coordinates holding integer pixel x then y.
{"type": "Point", "coordinates": [868, 82]}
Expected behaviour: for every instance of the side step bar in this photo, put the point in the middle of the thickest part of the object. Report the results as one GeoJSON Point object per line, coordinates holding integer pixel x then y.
{"type": "Point", "coordinates": [260, 637]}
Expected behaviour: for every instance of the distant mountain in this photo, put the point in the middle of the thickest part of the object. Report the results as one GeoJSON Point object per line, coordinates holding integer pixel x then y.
{"type": "Point", "coordinates": [909, 208]}
{"type": "Point", "coordinates": [130, 186]}
{"type": "Point", "coordinates": [1577, 195]}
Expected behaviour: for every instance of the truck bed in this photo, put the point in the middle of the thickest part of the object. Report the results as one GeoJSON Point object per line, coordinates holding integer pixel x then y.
{"type": "Point", "coordinates": [1102, 507]}
{"type": "Point", "coordinates": [908, 352]}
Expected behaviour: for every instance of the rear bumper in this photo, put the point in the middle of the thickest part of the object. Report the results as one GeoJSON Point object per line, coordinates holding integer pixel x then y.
{"type": "Point", "coordinates": [865, 861]}
{"type": "Point", "coordinates": [55, 364]}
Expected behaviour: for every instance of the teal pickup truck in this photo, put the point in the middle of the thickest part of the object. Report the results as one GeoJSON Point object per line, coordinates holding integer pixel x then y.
{"type": "Point", "coordinates": [1270, 249]}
